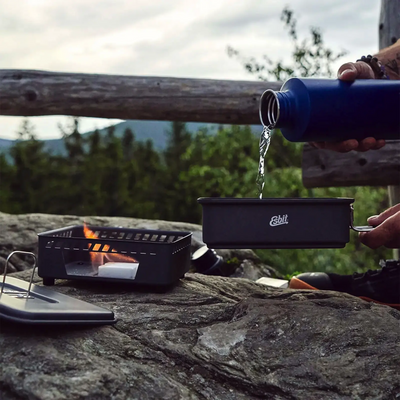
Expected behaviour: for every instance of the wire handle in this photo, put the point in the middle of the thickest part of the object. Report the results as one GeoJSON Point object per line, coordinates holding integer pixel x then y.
{"type": "Point", "coordinates": [28, 253]}
{"type": "Point", "coordinates": [367, 228]}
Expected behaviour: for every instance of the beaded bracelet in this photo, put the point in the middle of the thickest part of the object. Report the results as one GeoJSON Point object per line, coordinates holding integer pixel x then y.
{"type": "Point", "coordinates": [376, 66]}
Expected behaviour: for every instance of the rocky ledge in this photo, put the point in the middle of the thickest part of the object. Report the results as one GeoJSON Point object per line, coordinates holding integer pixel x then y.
{"type": "Point", "coordinates": [205, 338]}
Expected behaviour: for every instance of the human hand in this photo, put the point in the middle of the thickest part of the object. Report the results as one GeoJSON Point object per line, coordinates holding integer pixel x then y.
{"type": "Point", "coordinates": [349, 145]}
{"type": "Point", "coordinates": [349, 72]}
{"type": "Point", "coordinates": [387, 231]}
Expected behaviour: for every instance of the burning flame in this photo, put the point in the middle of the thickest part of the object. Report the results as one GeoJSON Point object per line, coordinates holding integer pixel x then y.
{"type": "Point", "coordinates": [101, 257]}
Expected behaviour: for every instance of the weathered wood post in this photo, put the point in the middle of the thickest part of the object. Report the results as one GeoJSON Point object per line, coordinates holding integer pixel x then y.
{"type": "Point", "coordinates": [389, 32]}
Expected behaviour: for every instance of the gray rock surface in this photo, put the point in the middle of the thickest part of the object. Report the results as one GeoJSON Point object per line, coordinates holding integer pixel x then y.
{"type": "Point", "coordinates": [19, 232]}
{"type": "Point", "coordinates": [208, 338]}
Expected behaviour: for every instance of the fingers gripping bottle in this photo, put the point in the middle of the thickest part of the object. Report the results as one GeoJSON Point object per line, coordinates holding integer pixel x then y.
{"type": "Point", "coordinates": [333, 110]}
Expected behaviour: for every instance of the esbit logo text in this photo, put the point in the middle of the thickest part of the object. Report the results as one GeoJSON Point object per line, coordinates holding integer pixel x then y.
{"type": "Point", "coordinates": [279, 220]}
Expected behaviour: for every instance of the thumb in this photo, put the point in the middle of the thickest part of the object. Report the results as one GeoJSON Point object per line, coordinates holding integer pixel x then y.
{"type": "Point", "coordinates": [386, 234]}
{"type": "Point", "coordinates": [359, 70]}
{"type": "Point", "coordinates": [378, 219]}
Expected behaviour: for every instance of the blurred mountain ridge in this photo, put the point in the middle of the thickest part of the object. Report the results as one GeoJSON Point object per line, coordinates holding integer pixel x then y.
{"type": "Point", "coordinates": [156, 131]}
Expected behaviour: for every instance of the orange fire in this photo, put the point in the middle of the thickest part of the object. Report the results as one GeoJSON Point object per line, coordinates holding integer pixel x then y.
{"type": "Point", "coordinates": [101, 257]}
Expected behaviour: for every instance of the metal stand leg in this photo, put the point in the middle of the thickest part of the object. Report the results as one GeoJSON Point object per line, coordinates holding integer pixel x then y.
{"type": "Point", "coordinates": [28, 253]}
{"type": "Point", "coordinates": [48, 281]}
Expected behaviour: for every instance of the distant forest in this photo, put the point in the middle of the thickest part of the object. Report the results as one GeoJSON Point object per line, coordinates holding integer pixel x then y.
{"type": "Point", "coordinates": [106, 175]}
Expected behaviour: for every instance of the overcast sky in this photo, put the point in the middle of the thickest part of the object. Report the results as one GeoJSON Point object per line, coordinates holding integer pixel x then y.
{"type": "Point", "coordinates": [174, 38]}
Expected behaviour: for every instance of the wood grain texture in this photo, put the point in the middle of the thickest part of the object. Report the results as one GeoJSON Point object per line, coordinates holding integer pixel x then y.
{"type": "Point", "coordinates": [325, 168]}
{"type": "Point", "coordinates": [32, 93]}
{"type": "Point", "coordinates": [389, 23]}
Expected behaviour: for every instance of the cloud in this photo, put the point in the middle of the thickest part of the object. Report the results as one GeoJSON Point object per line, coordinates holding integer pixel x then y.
{"type": "Point", "coordinates": [78, 16]}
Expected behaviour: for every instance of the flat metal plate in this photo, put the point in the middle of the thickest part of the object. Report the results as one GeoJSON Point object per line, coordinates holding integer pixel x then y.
{"type": "Point", "coordinates": [45, 306]}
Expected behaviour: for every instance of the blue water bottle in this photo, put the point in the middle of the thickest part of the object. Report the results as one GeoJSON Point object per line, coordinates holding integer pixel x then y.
{"type": "Point", "coordinates": [333, 110]}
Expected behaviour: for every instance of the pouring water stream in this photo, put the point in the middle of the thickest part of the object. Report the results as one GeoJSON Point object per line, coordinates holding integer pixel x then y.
{"type": "Point", "coordinates": [265, 140]}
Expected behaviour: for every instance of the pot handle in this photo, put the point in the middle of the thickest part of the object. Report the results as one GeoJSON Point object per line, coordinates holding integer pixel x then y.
{"type": "Point", "coordinates": [367, 228]}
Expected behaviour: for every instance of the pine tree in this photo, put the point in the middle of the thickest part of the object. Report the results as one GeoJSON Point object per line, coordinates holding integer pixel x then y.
{"type": "Point", "coordinates": [72, 177]}
{"type": "Point", "coordinates": [179, 140]}
{"type": "Point", "coordinates": [147, 196]}
{"type": "Point", "coordinates": [114, 177]}
{"type": "Point", "coordinates": [94, 142]}
{"type": "Point", "coordinates": [74, 142]}
{"type": "Point", "coordinates": [6, 178]}
{"type": "Point", "coordinates": [31, 167]}
{"type": "Point", "coordinates": [128, 140]}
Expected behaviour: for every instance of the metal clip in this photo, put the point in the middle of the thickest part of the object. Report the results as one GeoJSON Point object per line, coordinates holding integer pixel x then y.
{"type": "Point", "coordinates": [32, 275]}
{"type": "Point", "coordinates": [366, 228]}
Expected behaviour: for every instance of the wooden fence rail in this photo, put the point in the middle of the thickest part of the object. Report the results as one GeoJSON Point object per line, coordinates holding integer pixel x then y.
{"type": "Point", "coordinates": [324, 168]}
{"type": "Point", "coordinates": [32, 93]}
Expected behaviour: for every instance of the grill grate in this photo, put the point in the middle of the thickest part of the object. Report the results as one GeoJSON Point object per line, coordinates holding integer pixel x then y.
{"type": "Point", "coordinates": [163, 256]}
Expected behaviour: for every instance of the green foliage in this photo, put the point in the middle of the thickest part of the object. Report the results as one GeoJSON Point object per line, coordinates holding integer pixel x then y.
{"type": "Point", "coordinates": [7, 177]}
{"type": "Point", "coordinates": [290, 276]}
{"type": "Point", "coordinates": [233, 260]}
{"type": "Point", "coordinates": [26, 177]}
{"type": "Point", "coordinates": [108, 176]}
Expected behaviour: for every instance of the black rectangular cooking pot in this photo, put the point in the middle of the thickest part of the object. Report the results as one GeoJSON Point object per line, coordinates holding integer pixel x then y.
{"type": "Point", "coordinates": [277, 223]}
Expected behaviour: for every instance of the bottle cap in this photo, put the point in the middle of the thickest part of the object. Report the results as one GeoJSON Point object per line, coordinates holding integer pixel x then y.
{"type": "Point", "coordinates": [206, 261]}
